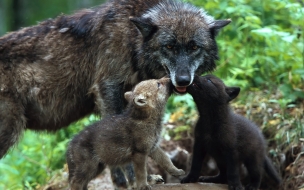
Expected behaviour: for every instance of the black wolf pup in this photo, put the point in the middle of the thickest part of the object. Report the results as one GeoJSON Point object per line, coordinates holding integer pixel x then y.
{"type": "Point", "coordinates": [120, 139]}
{"type": "Point", "coordinates": [228, 137]}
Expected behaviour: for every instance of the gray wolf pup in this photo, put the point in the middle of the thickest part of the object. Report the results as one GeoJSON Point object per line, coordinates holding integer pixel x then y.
{"type": "Point", "coordinates": [229, 138]}
{"type": "Point", "coordinates": [128, 137]}
{"type": "Point", "coordinates": [63, 69]}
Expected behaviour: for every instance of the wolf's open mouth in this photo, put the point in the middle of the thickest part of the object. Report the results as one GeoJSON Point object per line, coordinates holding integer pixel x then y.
{"type": "Point", "coordinates": [181, 89]}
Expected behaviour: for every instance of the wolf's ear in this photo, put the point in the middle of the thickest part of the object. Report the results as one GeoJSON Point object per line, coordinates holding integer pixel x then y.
{"type": "Point", "coordinates": [232, 92]}
{"type": "Point", "coordinates": [216, 25]}
{"type": "Point", "coordinates": [145, 26]}
{"type": "Point", "coordinates": [140, 101]}
{"type": "Point", "coordinates": [128, 96]}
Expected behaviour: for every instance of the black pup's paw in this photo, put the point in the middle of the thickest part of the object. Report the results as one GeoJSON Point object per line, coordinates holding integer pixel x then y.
{"type": "Point", "coordinates": [249, 187]}
{"type": "Point", "coordinates": [211, 179]}
{"type": "Point", "coordinates": [204, 179]}
{"type": "Point", "coordinates": [235, 187]}
{"type": "Point", "coordinates": [189, 179]}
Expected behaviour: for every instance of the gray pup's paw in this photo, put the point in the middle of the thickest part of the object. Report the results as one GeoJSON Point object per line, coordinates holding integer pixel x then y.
{"type": "Point", "coordinates": [177, 172]}
{"type": "Point", "coordinates": [155, 179]}
{"type": "Point", "coordinates": [145, 187]}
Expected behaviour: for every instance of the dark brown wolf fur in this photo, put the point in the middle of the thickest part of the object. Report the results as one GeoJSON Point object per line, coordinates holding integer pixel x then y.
{"type": "Point", "coordinates": [128, 137]}
{"type": "Point", "coordinates": [229, 138]}
{"type": "Point", "coordinates": [65, 68]}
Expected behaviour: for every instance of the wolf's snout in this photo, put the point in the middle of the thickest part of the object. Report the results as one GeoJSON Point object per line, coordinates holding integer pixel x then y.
{"type": "Point", "coordinates": [183, 80]}
{"type": "Point", "coordinates": [181, 83]}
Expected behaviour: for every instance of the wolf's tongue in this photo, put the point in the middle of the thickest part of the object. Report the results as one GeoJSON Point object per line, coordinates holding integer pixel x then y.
{"type": "Point", "coordinates": [181, 89]}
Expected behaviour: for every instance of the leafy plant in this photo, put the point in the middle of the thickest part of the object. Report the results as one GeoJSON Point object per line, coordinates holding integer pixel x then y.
{"type": "Point", "coordinates": [38, 155]}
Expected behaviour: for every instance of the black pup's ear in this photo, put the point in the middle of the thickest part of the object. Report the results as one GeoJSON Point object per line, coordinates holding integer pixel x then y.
{"type": "Point", "coordinates": [145, 26]}
{"type": "Point", "coordinates": [232, 92]}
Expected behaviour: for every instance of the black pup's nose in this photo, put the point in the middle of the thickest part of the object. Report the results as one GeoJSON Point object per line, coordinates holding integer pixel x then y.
{"type": "Point", "coordinates": [183, 80]}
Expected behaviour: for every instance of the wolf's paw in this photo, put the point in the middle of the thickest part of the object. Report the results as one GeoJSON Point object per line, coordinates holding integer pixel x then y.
{"type": "Point", "coordinates": [118, 178]}
{"type": "Point", "coordinates": [155, 179]}
{"type": "Point", "coordinates": [177, 172]}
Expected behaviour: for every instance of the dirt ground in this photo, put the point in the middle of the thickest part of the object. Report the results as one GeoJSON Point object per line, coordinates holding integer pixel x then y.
{"type": "Point", "coordinates": [102, 182]}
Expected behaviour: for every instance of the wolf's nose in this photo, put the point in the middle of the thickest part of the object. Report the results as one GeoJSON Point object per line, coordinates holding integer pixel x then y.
{"type": "Point", "coordinates": [183, 80]}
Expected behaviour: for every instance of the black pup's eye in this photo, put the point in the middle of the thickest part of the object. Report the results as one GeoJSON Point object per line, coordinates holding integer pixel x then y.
{"type": "Point", "coordinates": [208, 80]}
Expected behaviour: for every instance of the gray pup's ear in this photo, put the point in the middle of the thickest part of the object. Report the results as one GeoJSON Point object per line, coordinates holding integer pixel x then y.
{"type": "Point", "coordinates": [145, 26]}
{"type": "Point", "coordinates": [128, 96]}
{"type": "Point", "coordinates": [140, 101]}
{"type": "Point", "coordinates": [216, 25]}
{"type": "Point", "coordinates": [232, 92]}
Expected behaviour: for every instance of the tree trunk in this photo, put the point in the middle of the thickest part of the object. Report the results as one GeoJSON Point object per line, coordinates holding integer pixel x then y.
{"type": "Point", "coordinates": [3, 18]}
{"type": "Point", "coordinates": [16, 15]}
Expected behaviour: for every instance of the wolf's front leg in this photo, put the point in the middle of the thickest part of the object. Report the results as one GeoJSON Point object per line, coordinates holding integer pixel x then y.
{"type": "Point", "coordinates": [139, 162]}
{"type": "Point", "coordinates": [164, 161]}
{"type": "Point", "coordinates": [109, 98]}
{"type": "Point", "coordinates": [12, 122]}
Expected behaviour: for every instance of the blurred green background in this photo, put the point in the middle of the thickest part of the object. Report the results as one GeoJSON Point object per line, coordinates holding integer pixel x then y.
{"type": "Point", "coordinates": [262, 51]}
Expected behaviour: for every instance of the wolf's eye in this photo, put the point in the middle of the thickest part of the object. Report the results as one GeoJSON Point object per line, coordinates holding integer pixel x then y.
{"type": "Point", "coordinates": [208, 80]}
{"type": "Point", "coordinates": [169, 46]}
{"type": "Point", "coordinates": [194, 47]}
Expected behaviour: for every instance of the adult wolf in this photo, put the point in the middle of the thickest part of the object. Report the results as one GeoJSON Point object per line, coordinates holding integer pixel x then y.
{"type": "Point", "coordinates": [62, 69]}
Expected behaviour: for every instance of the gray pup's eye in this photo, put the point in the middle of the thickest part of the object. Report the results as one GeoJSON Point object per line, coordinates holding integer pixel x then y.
{"type": "Point", "coordinates": [158, 84]}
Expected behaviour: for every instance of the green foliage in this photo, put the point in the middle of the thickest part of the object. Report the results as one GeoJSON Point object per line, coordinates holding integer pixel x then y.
{"type": "Point", "coordinates": [287, 122]}
{"type": "Point", "coordinates": [181, 110]}
{"type": "Point", "coordinates": [37, 157]}
{"type": "Point", "coordinates": [29, 12]}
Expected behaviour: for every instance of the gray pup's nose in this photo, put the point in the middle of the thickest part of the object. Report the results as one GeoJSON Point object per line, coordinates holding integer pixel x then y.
{"type": "Point", "coordinates": [183, 80]}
